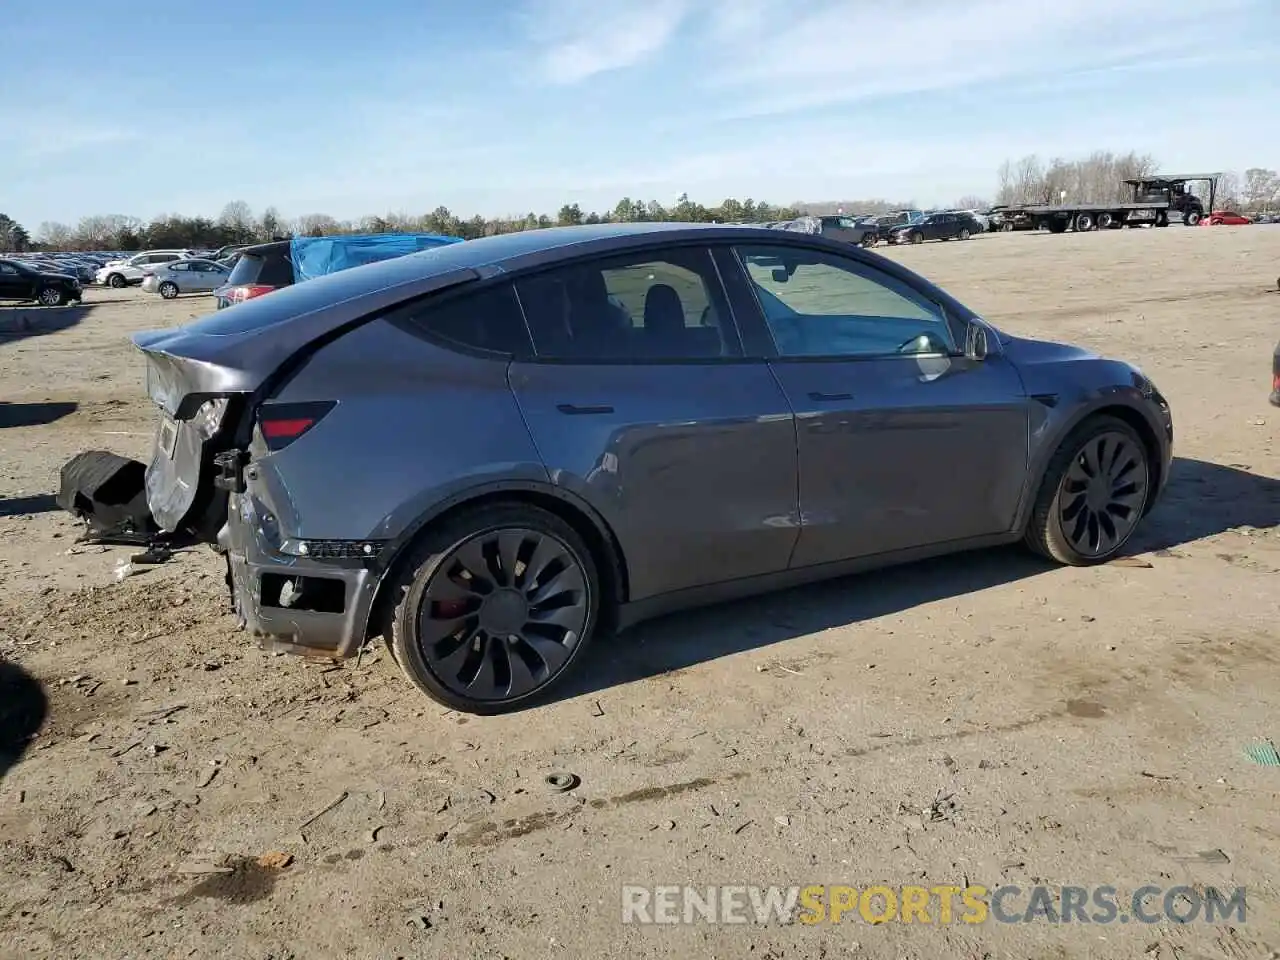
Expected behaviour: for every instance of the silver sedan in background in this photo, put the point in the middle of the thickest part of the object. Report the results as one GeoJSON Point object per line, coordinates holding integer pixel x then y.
{"type": "Point", "coordinates": [185, 276]}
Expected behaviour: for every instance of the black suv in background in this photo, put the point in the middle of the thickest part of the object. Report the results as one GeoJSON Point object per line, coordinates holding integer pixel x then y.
{"type": "Point", "coordinates": [260, 269]}
{"type": "Point", "coordinates": [936, 226]}
{"type": "Point", "coordinates": [20, 281]}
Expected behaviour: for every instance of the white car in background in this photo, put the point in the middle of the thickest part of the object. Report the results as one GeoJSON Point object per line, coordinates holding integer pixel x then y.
{"type": "Point", "coordinates": [185, 276]}
{"type": "Point", "coordinates": [130, 273]}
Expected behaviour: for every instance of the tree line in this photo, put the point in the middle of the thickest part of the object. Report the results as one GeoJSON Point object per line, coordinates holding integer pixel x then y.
{"type": "Point", "coordinates": [1093, 179]}
{"type": "Point", "coordinates": [238, 224]}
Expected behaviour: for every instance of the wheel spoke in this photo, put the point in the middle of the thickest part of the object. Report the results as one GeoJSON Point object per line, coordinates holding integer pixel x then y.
{"type": "Point", "coordinates": [472, 559]}
{"type": "Point", "coordinates": [452, 664]}
{"type": "Point", "coordinates": [552, 653]}
{"type": "Point", "coordinates": [509, 545]}
{"type": "Point", "coordinates": [544, 554]}
{"type": "Point", "coordinates": [567, 580]}
{"type": "Point", "coordinates": [570, 617]}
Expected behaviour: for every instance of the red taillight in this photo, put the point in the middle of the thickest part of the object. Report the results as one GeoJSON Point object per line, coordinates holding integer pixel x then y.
{"type": "Point", "coordinates": [247, 291]}
{"type": "Point", "coordinates": [283, 423]}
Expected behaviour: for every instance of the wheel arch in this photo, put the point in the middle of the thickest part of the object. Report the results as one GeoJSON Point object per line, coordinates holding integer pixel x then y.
{"type": "Point", "coordinates": [587, 522]}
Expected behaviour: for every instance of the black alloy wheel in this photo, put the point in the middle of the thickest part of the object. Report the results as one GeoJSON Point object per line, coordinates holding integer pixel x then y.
{"type": "Point", "coordinates": [1093, 494]}
{"type": "Point", "coordinates": [1103, 494]}
{"type": "Point", "coordinates": [498, 614]}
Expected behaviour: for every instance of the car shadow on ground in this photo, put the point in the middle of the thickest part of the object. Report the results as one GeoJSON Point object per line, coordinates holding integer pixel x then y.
{"type": "Point", "coordinates": [27, 506]}
{"type": "Point", "coordinates": [23, 321]}
{"type": "Point", "coordinates": [23, 709]}
{"type": "Point", "coordinates": [34, 414]}
{"type": "Point", "coordinates": [1202, 499]}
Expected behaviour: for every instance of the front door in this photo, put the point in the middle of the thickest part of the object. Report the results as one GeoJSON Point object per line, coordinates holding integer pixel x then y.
{"type": "Point", "coordinates": [903, 442]}
{"type": "Point", "coordinates": [640, 402]}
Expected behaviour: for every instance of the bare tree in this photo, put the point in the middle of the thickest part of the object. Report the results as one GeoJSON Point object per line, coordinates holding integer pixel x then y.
{"type": "Point", "coordinates": [55, 236]}
{"type": "Point", "coordinates": [1028, 180]}
{"type": "Point", "coordinates": [1227, 191]}
{"type": "Point", "coordinates": [237, 219]}
{"type": "Point", "coordinates": [1261, 188]}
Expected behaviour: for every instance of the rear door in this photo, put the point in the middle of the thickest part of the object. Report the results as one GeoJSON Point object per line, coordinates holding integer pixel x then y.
{"type": "Point", "coordinates": [903, 442]}
{"type": "Point", "coordinates": [641, 401]}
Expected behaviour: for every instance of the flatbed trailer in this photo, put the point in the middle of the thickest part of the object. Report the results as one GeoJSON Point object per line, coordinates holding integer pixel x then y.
{"type": "Point", "coordinates": [1156, 200]}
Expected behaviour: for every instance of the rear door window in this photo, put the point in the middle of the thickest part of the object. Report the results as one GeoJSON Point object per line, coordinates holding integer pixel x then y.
{"type": "Point", "coordinates": [650, 306]}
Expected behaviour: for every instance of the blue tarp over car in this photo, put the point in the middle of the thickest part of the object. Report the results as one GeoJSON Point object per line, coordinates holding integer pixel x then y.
{"type": "Point", "coordinates": [318, 256]}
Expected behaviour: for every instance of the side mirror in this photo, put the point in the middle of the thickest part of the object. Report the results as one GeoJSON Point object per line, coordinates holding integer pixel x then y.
{"type": "Point", "coordinates": [976, 345]}
{"type": "Point", "coordinates": [780, 275]}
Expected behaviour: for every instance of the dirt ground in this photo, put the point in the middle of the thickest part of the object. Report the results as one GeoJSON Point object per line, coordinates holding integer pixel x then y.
{"type": "Point", "coordinates": [984, 719]}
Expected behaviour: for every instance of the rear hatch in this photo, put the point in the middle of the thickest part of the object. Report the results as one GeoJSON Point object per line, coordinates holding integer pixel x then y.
{"type": "Point", "coordinates": [208, 377]}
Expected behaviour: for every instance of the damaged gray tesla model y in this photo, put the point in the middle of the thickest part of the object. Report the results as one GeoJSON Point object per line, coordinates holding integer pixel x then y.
{"type": "Point", "coordinates": [493, 451]}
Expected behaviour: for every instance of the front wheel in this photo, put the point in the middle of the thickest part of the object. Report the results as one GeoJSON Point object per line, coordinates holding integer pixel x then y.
{"type": "Point", "coordinates": [964, 234]}
{"type": "Point", "coordinates": [1093, 494]}
{"type": "Point", "coordinates": [493, 607]}
{"type": "Point", "coordinates": [51, 297]}
{"type": "Point", "coordinates": [917, 237]}
{"type": "Point", "coordinates": [1192, 219]}
{"type": "Point", "coordinates": [168, 289]}
{"type": "Point", "coordinates": [116, 281]}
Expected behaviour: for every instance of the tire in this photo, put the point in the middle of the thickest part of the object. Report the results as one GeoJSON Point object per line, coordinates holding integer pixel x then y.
{"type": "Point", "coordinates": [424, 592]}
{"type": "Point", "coordinates": [868, 240]}
{"type": "Point", "coordinates": [168, 290]}
{"type": "Point", "coordinates": [917, 237]}
{"type": "Point", "coordinates": [115, 281]}
{"type": "Point", "coordinates": [964, 234]}
{"type": "Point", "coordinates": [1162, 218]}
{"type": "Point", "coordinates": [1084, 222]}
{"type": "Point", "coordinates": [51, 297]}
{"type": "Point", "coordinates": [1192, 219]}
{"type": "Point", "coordinates": [1106, 221]}
{"type": "Point", "coordinates": [1007, 227]}
{"type": "Point", "coordinates": [1059, 527]}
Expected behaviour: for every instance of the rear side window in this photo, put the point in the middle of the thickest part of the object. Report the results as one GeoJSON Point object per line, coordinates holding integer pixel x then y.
{"type": "Point", "coordinates": [488, 320]}
{"type": "Point", "coordinates": [272, 268]}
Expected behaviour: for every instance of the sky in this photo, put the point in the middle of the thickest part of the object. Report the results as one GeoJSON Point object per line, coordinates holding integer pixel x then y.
{"type": "Point", "coordinates": [509, 106]}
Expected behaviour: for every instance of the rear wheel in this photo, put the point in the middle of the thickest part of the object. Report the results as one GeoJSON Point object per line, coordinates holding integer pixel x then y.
{"type": "Point", "coordinates": [1092, 495]}
{"type": "Point", "coordinates": [115, 281]}
{"type": "Point", "coordinates": [869, 240]}
{"type": "Point", "coordinates": [964, 234]}
{"type": "Point", "coordinates": [493, 607]}
{"type": "Point", "coordinates": [51, 297]}
{"type": "Point", "coordinates": [1105, 221]}
{"type": "Point", "coordinates": [1084, 223]}
{"type": "Point", "coordinates": [1007, 228]}
{"type": "Point", "coordinates": [168, 289]}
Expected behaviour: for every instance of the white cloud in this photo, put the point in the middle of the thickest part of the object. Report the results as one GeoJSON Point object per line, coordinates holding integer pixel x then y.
{"type": "Point", "coordinates": [578, 39]}
{"type": "Point", "coordinates": [772, 59]}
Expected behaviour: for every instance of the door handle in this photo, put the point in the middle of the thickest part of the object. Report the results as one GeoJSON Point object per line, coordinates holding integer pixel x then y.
{"type": "Point", "coordinates": [575, 409]}
{"type": "Point", "coordinates": [820, 397]}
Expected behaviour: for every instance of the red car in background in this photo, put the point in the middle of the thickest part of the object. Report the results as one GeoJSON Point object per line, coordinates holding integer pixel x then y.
{"type": "Point", "coordinates": [1225, 218]}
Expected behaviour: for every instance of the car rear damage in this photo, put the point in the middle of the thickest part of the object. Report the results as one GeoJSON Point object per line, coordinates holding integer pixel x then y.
{"type": "Point", "coordinates": [213, 383]}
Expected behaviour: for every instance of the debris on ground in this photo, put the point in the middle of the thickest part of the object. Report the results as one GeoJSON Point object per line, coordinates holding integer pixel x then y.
{"type": "Point", "coordinates": [275, 860]}
{"type": "Point", "coordinates": [323, 810]}
{"type": "Point", "coordinates": [1263, 752]}
{"type": "Point", "coordinates": [562, 782]}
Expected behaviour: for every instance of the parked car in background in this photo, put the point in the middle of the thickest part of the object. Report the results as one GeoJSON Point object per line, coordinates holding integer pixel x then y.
{"type": "Point", "coordinates": [1275, 372]}
{"type": "Point", "coordinates": [1225, 218]}
{"type": "Point", "coordinates": [21, 281]}
{"type": "Point", "coordinates": [130, 273]}
{"type": "Point", "coordinates": [936, 226]}
{"type": "Point", "coordinates": [185, 276]}
{"type": "Point", "coordinates": [538, 464]}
